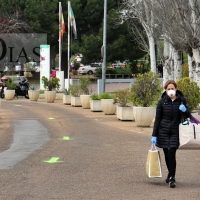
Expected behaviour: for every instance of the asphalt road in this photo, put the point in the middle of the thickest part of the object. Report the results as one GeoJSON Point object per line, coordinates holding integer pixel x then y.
{"type": "Point", "coordinates": [89, 156]}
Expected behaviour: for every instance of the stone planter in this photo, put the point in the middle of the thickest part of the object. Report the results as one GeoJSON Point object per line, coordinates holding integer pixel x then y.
{"type": "Point", "coordinates": [50, 96]}
{"type": "Point", "coordinates": [108, 107]}
{"type": "Point", "coordinates": [26, 74]}
{"type": "Point", "coordinates": [95, 105]}
{"type": "Point", "coordinates": [125, 113]}
{"type": "Point", "coordinates": [9, 94]}
{"type": "Point", "coordinates": [76, 101]}
{"type": "Point", "coordinates": [33, 95]}
{"type": "Point", "coordinates": [144, 116]}
{"type": "Point", "coordinates": [85, 101]}
{"type": "Point", "coordinates": [66, 99]}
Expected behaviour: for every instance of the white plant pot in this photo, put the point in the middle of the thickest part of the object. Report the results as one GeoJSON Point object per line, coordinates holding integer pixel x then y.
{"type": "Point", "coordinates": [33, 95]}
{"type": "Point", "coordinates": [85, 101]}
{"type": "Point", "coordinates": [144, 116]}
{"type": "Point", "coordinates": [95, 105]}
{"type": "Point", "coordinates": [125, 113]}
{"type": "Point", "coordinates": [76, 101]}
{"type": "Point", "coordinates": [50, 96]}
{"type": "Point", "coordinates": [9, 94]}
{"type": "Point", "coordinates": [108, 107]}
{"type": "Point", "coordinates": [66, 99]}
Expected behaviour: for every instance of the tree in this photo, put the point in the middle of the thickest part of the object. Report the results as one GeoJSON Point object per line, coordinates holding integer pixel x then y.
{"type": "Point", "coordinates": [89, 20]}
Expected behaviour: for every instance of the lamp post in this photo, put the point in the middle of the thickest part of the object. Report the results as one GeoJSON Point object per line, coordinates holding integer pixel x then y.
{"type": "Point", "coordinates": [104, 47]}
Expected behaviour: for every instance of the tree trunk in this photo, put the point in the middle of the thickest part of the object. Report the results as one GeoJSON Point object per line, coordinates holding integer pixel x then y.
{"type": "Point", "coordinates": [191, 68]}
{"type": "Point", "coordinates": [196, 56]}
{"type": "Point", "coordinates": [167, 69]}
{"type": "Point", "coordinates": [152, 53]}
{"type": "Point", "coordinates": [177, 65]}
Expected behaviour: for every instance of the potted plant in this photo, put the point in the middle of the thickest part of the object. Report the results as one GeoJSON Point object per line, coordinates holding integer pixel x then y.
{"type": "Point", "coordinates": [50, 85]}
{"type": "Point", "coordinates": [9, 91]}
{"type": "Point", "coordinates": [107, 103]}
{"type": "Point", "coordinates": [75, 92]}
{"type": "Point", "coordinates": [191, 92]}
{"type": "Point", "coordinates": [144, 92]}
{"type": "Point", "coordinates": [33, 93]}
{"type": "Point", "coordinates": [67, 97]}
{"type": "Point", "coordinates": [85, 92]}
{"type": "Point", "coordinates": [28, 67]}
{"type": "Point", "coordinates": [95, 103]}
{"type": "Point", "coordinates": [124, 110]}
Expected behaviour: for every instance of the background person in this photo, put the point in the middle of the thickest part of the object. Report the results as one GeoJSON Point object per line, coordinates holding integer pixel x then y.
{"type": "Point", "coordinates": [53, 72]}
{"type": "Point", "coordinates": [165, 134]}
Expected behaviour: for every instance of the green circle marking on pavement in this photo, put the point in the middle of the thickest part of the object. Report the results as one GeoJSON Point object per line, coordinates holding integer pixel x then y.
{"type": "Point", "coordinates": [66, 138]}
{"type": "Point", "coordinates": [53, 160]}
{"type": "Point", "coordinates": [17, 105]}
{"type": "Point", "coordinates": [51, 118]}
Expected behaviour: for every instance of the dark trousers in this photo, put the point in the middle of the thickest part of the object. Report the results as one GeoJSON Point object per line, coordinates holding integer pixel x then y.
{"type": "Point", "coordinates": [170, 159]}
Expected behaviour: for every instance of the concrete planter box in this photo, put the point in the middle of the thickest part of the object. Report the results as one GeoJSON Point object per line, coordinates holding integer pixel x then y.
{"type": "Point", "coordinates": [9, 94]}
{"type": "Point", "coordinates": [144, 115]}
{"type": "Point", "coordinates": [85, 101]}
{"type": "Point", "coordinates": [76, 101]}
{"type": "Point", "coordinates": [50, 96]}
{"type": "Point", "coordinates": [95, 105]}
{"type": "Point", "coordinates": [66, 99]}
{"type": "Point", "coordinates": [108, 107]}
{"type": "Point", "coordinates": [33, 95]}
{"type": "Point", "coordinates": [125, 113]}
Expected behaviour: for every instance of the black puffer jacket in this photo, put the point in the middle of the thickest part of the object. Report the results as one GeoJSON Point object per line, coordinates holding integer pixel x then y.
{"type": "Point", "coordinates": [167, 120]}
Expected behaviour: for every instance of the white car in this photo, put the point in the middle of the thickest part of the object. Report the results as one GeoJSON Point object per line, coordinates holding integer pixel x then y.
{"type": "Point", "coordinates": [89, 69]}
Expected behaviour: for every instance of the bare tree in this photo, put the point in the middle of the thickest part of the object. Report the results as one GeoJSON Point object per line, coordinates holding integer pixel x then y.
{"type": "Point", "coordinates": [13, 21]}
{"type": "Point", "coordinates": [180, 22]}
{"type": "Point", "coordinates": [141, 11]}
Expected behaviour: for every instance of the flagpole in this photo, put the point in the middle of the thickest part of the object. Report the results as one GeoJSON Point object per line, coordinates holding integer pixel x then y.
{"type": "Point", "coordinates": [68, 43]}
{"type": "Point", "coordinates": [59, 59]}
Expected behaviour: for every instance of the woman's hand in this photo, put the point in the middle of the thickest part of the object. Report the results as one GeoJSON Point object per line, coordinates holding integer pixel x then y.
{"type": "Point", "coordinates": [182, 108]}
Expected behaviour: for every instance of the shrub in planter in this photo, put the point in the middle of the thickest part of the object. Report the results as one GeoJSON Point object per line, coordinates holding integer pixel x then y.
{"type": "Point", "coordinates": [10, 84]}
{"type": "Point", "coordinates": [122, 97]}
{"type": "Point", "coordinates": [84, 85]}
{"type": "Point", "coordinates": [51, 83]}
{"type": "Point", "coordinates": [105, 95]}
{"type": "Point", "coordinates": [95, 103]}
{"type": "Point", "coordinates": [191, 92]}
{"type": "Point", "coordinates": [75, 90]}
{"type": "Point", "coordinates": [95, 97]}
{"type": "Point", "coordinates": [146, 89]}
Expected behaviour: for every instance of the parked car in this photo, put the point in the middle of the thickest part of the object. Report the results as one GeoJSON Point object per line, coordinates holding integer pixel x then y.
{"type": "Point", "coordinates": [117, 65]}
{"type": "Point", "coordinates": [89, 69]}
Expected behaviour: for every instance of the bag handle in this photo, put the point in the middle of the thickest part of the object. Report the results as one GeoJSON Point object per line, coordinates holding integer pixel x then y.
{"type": "Point", "coordinates": [153, 147]}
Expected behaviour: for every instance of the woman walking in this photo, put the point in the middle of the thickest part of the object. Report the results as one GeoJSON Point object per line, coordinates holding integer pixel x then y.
{"type": "Point", "coordinates": [171, 107]}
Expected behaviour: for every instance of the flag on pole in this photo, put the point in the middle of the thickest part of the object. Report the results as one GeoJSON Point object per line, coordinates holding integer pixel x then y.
{"type": "Point", "coordinates": [62, 25]}
{"type": "Point", "coordinates": [73, 22]}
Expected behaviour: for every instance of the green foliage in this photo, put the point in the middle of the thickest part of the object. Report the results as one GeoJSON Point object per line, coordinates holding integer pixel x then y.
{"type": "Point", "coordinates": [122, 97]}
{"type": "Point", "coordinates": [51, 83]}
{"type": "Point", "coordinates": [75, 90]}
{"type": "Point", "coordinates": [10, 84]}
{"type": "Point", "coordinates": [95, 97]}
{"type": "Point", "coordinates": [84, 85]}
{"type": "Point", "coordinates": [81, 88]}
{"type": "Point", "coordinates": [126, 71]}
{"type": "Point", "coordinates": [146, 89]}
{"type": "Point", "coordinates": [105, 95]}
{"type": "Point", "coordinates": [67, 91]}
{"type": "Point", "coordinates": [185, 70]}
{"type": "Point", "coordinates": [89, 15]}
{"type": "Point", "coordinates": [32, 87]}
{"type": "Point", "coordinates": [191, 92]}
